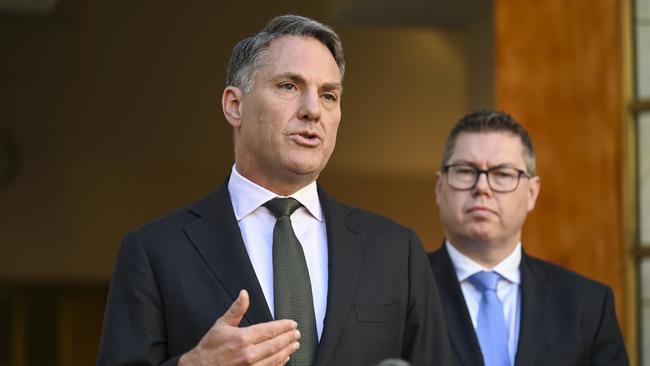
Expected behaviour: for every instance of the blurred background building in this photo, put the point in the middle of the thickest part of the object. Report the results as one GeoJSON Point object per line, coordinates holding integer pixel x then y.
{"type": "Point", "coordinates": [110, 117]}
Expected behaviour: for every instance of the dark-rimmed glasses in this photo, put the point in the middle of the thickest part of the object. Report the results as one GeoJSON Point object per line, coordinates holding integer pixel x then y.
{"type": "Point", "coordinates": [502, 179]}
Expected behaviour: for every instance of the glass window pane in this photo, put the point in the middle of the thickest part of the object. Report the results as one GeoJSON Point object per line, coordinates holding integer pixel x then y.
{"type": "Point", "coordinates": [642, 49]}
{"type": "Point", "coordinates": [643, 154]}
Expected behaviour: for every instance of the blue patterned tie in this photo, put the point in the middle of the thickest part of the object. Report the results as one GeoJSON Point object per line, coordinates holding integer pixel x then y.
{"type": "Point", "coordinates": [490, 325]}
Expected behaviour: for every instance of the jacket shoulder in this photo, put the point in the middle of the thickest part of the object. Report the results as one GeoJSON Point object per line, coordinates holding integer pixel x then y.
{"type": "Point", "coordinates": [372, 223]}
{"type": "Point", "coordinates": [564, 279]}
{"type": "Point", "coordinates": [170, 226]}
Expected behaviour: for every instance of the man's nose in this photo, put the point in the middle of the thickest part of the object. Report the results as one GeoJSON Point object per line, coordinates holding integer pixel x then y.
{"type": "Point", "coordinates": [482, 185]}
{"type": "Point", "coordinates": [310, 107]}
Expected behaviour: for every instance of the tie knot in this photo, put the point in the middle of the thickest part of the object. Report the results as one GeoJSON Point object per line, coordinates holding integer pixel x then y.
{"type": "Point", "coordinates": [485, 281]}
{"type": "Point", "coordinates": [280, 207]}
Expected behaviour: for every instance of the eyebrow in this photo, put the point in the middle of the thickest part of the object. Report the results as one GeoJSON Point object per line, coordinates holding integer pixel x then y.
{"type": "Point", "coordinates": [298, 79]}
{"type": "Point", "coordinates": [470, 163]}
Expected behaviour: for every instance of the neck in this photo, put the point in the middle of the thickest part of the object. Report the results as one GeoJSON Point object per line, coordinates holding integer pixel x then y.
{"type": "Point", "coordinates": [486, 254]}
{"type": "Point", "coordinates": [279, 185]}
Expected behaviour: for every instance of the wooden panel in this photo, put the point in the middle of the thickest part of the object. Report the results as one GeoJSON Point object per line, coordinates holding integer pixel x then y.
{"type": "Point", "coordinates": [80, 313]}
{"type": "Point", "coordinates": [559, 72]}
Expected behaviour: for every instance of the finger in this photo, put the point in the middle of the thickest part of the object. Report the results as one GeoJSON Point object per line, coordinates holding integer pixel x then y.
{"type": "Point", "coordinates": [281, 357]}
{"type": "Point", "coordinates": [274, 345]}
{"type": "Point", "coordinates": [263, 331]}
{"type": "Point", "coordinates": [235, 313]}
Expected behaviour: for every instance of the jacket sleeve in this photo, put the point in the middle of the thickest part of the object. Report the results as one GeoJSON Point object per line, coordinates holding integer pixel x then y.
{"type": "Point", "coordinates": [608, 347]}
{"type": "Point", "coordinates": [134, 331]}
{"type": "Point", "coordinates": [426, 341]}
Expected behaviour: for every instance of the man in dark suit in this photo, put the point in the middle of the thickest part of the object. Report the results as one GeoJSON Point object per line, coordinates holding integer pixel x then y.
{"type": "Point", "coordinates": [542, 314]}
{"type": "Point", "coordinates": [201, 286]}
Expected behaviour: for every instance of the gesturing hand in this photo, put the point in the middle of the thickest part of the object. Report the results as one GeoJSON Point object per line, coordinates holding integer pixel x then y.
{"type": "Point", "coordinates": [227, 344]}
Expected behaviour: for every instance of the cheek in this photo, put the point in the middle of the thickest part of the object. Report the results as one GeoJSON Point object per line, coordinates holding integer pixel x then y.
{"type": "Point", "coordinates": [331, 132]}
{"type": "Point", "coordinates": [450, 214]}
{"type": "Point", "coordinates": [332, 123]}
{"type": "Point", "coordinates": [450, 204]}
{"type": "Point", "coordinates": [332, 136]}
{"type": "Point", "coordinates": [268, 128]}
{"type": "Point", "coordinates": [514, 212]}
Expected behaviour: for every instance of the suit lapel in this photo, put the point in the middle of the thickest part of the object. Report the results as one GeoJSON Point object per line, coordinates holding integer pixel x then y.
{"type": "Point", "coordinates": [535, 297]}
{"type": "Point", "coordinates": [459, 323]}
{"type": "Point", "coordinates": [216, 236]}
{"type": "Point", "coordinates": [346, 249]}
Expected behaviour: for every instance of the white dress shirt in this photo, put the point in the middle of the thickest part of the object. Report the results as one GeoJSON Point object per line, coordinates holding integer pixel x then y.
{"type": "Point", "coordinates": [508, 289]}
{"type": "Point", "coordinates": [256, 224]}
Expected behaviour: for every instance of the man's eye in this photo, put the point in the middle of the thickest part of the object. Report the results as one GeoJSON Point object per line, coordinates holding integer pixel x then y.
{"type": "Point", "coordinates": [330, 97]}
{"type": "Point", "coordinates": [504, 173]}
{"type": "Point", "coordinates": [287, 86]}
{"type": "Point", "coordinates": [465, 171]}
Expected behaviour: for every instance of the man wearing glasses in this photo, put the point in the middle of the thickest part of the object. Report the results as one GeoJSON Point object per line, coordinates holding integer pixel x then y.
{"type": "Point", "coordinates": [502, 306]}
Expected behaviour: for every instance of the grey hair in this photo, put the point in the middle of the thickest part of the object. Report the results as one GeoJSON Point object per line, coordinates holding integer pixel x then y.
{"type": "Point", "coordinates": [250, 54]}
{"type": "Point", "coordinates": [492, 121]}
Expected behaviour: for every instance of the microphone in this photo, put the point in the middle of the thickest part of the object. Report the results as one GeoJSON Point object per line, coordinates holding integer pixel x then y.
{"type": "Point", "coordinates": [393, 362]}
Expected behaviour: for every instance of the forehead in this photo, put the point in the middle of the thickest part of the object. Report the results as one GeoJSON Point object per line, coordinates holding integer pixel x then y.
{"type": "Point", "coordinates": [488, 149]}
{"type": "Point", "coordinates": [305, 56]}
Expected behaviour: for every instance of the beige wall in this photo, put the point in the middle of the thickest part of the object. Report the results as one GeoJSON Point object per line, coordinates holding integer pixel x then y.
{"type": "Point", "coordinates": [115, 107]}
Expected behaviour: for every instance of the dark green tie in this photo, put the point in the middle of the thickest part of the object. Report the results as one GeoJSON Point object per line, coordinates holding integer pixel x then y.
{"type": "Point", "coordinates": [291, 285]}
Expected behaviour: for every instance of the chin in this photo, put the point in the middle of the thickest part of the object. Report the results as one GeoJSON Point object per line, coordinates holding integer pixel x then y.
{"type": "Point", "coordinates": [306, 167]}
{"type": "Point", "coordinates": [481, 235]}
{"type": "Point", "coordinates": [300, 176]}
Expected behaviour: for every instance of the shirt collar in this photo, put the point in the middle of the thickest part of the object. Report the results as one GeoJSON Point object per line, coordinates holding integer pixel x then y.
{"type": "Point", "coordinates": [466, 266]}
{"type": "Point", "coordinates": [247, 196]}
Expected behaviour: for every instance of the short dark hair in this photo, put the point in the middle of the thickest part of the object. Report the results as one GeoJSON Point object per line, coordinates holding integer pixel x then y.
{"type": "Point", "coordinates": [491, 121]}
{"type": "Point", "coordinates": [249, 55]}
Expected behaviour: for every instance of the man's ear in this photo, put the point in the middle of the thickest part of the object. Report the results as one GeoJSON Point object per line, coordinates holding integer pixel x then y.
{"type": "Point", "coordinates": [438, 186]}
{"type": "Point", "coordinates": [533, 191]}
{"type": "Point", "coordinates": [231, 105]}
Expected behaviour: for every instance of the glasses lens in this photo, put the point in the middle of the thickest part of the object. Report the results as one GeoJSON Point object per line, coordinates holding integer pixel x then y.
{"type": "Point", "coordinates": [503, 179]}
{"type": "Point", "coordinates": [500, 179]}
{"type": "Point", "coordinates": [461, 176]}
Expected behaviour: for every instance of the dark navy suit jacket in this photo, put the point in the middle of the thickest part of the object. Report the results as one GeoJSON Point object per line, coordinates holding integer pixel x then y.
{"type": "Point", "coordinates": [175, 276]}
{"type": "Point", "coordinates": [566, 319]}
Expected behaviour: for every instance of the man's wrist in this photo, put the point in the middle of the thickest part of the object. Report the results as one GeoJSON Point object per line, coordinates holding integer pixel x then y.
{"type": "Point", "coordinates": [188, 359]}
